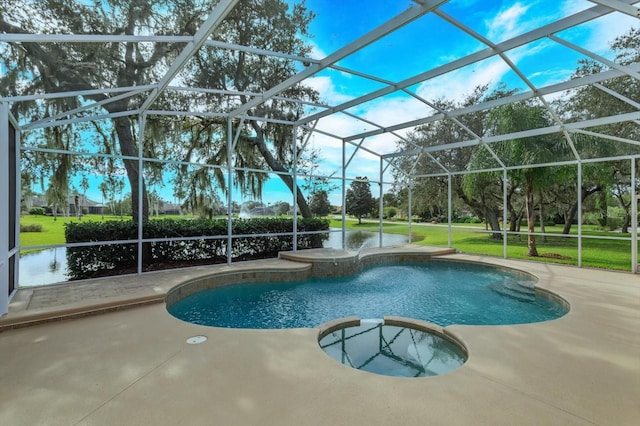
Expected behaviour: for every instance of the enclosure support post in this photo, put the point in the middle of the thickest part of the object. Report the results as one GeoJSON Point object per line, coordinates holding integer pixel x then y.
{"type": "Point", "coordinates": [230, 147]}
{"type": "Point", "coordinates": [141, 122]}
{"type": "Point", "coordinates": [295, 187]}
{"type": "Point", "coordinates": [504, 213]}
{"type": "Point", "coordinates": [449, 213]}
{"type": "Point", "coordinates": [344, 195]}
{"type": "Point", "coordinates": [5, 208]}
{"type": "Point", "coordinates": [380, 206]}
{"type": "Point", "coordinates": [409, 209]}
{"type": "Point", "coordinates": [579, 214]}
{"type": "Point", "coordinates": [634, 219]}
{"type": "Point", "coordinates": [15, 199]}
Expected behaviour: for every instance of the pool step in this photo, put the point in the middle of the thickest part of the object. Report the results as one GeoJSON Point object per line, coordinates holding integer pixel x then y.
{"type": "Point", "coordinates": [522, 291]}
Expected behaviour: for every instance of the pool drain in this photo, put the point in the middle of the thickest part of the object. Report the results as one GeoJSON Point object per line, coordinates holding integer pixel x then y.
{"type": "Point", "coordinates": [195, 340]}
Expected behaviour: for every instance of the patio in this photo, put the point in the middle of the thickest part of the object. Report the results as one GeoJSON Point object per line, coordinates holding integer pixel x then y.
{"type": "Point", "coordinates": [134, 366]}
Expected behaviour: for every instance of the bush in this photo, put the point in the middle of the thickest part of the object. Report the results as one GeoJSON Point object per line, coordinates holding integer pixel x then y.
{"type": "Point", "coordinates": [37, 211]}
{"type": "Point", "coordinates": [390, 212]}
{"type": "Point", "coordinates": [34, 227]}
{"type": "Point", "coordinates": [90, 261]}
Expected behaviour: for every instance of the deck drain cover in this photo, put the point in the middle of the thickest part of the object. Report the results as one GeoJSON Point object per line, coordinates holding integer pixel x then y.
{"type": "Point", "coordinates": [196, 340]}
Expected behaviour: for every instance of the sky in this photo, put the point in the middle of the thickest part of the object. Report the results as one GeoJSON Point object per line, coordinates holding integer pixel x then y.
{"type": "Point", "coordinates": [428, 42]}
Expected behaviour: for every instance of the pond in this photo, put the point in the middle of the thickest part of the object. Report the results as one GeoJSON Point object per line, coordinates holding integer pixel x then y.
{"type": "Point", "coordinates": [43, 267]}
{"type": "Point", "coordinates": [356, 240]}
{"type": "Point", "coordinates": [50, 266]}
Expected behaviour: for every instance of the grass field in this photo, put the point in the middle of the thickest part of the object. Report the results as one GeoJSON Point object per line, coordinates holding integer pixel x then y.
{"type": "Point", "coordinates": [472, 238]}
{"type": "Point", "coordinates": [466, 238]}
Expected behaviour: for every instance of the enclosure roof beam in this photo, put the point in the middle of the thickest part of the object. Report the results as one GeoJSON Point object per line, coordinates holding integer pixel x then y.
{"type": "Point", "coordinates": [625, 8]}
{"type": "Point", "coordinates": [531, 166]}
{"type": "Point", "coordinates": [596, 57]}
{"type": "Point", "coordinates": [227, 92]}
{"type": "Point", "coordinates": [215, 115]}
{"type": "Point", "coordinates": [377, 125]}
{"type": "Point", "coordinates": [553, 88]}
{"type": "Point", "coordinates": [524, 134]}
{"type": "Point", "coordinates": [541, 32]}
{"type": "Point", "coordinates": [53, 118]}
{"type": "Point", "coordinates": [88, 118]}
{"type": "Point", "coordinates": [617, 95]}
{"type": "Point", "coordinates": [91, 38]}
{"type": "Point", "coordinates": [219, 12]}
{"type": "Point", "coordinates": [605, 136]}
{"type": "Point", "coordinates": [75, 93]}
{"type": "Point", "coordinates": [393, 24]}
{"type": "Point", "coordinates": [322, 132]}
{"type": "Point", "coordinates": [262, 52]}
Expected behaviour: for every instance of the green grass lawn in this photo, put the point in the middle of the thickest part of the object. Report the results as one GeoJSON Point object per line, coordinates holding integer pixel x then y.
{"type": "Point", "coordinates": [53, 229]}
{"type": "Point", "coordinates": [471, 238]}
{"type": "Point", "coordinates": [466, 238]}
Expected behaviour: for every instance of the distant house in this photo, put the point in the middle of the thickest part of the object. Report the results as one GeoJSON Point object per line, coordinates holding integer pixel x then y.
{"type": "Point", "coordinates": [262, 211]}
{"type": "Point", "coordinates": [170, 208]}
{"type": "Point", "coordinates": [85, 205]}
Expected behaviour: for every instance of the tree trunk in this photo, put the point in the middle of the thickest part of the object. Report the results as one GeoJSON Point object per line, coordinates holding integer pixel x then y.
{"type": "Point", "coordinates": [492, 220]}
{"type": "Point", "coordinates": [531, 216]}
{"type": "Point", "coordinates": [571, 214]}
{"type": "Point", "coordinates": [626, 224]}
{"type": "Point", "coordinates": [568, 221]}
{"type": "Point", "coordinates": [128, 148]}
{"type": "Point", "coordinates": [491, 216]}
{"type": "Point", "coordinates": [275, 165]}
{"type": "Point", "coordinates": [541, 215]}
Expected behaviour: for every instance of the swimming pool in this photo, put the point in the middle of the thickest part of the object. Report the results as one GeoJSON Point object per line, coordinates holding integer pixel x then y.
{"type": "Point", "coordinates": [443, 293]}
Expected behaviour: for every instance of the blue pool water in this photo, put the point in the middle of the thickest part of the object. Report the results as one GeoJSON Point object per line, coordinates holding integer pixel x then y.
{"type": "Point", "coordinates": [443, 293]}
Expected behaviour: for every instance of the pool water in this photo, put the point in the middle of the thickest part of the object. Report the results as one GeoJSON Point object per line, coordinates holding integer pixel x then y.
{"type": "Point", "coordinates": [443, 293]}
{"type": "Point", "coordinates": [391, 350]}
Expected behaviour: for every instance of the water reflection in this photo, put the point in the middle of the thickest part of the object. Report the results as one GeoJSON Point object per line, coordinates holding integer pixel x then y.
{"type": "Point", "coordinates": [356, 240]}
{"type": "Point", "coordinates": [43, 267]}
{"type": "Point", "coordinates": [392, 350]}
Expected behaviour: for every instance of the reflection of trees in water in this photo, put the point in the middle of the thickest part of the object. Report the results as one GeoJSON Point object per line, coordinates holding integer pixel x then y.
{"type": "Point", "coordinates": [383, 349]}
{"type": "Point", "coordinates": [439, 349]}
{"type": "Point", "coordinates": [54, 265]}
{"type": "Point", "coordinates": [356, 239]}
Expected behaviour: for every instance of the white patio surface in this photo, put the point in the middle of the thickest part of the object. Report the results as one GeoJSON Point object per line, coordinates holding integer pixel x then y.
{"type": "Point", "coordinates": [134, 367]}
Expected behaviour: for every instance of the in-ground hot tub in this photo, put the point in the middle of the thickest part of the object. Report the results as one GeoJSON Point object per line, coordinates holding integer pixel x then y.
{"type": "Point", "coordinates": [392, 346]}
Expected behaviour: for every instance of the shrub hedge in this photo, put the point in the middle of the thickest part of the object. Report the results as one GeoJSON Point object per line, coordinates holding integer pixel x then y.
{"type": "Point", "coordinates": [33, 227]}
{"type": "Point", "coordinates": [107, 259]}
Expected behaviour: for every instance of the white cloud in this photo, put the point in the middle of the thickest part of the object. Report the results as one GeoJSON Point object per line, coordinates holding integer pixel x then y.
{"type": "Point", "coordinates": [507, 23]}
{"type": "Point", "coordinates": [316, 51]}
{"type": "Point", "coordinates": [607, 28]}
{"type": "Point", "coordinates": [327, 89]}
{"type": "Point", "coordinates": [457, 84]}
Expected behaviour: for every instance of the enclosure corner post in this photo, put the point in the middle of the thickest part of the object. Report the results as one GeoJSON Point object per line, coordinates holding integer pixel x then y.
{"type": "Point", "coordinates": [449, 213]}
{"type": "Point", "coordinates": [230, 148]}
{"type": "Point", "coordinates": [295, 187]}
{"type": "Point", "coordinates": [504, 214]}
{"type": "Point", "coordinates": [634, 219]}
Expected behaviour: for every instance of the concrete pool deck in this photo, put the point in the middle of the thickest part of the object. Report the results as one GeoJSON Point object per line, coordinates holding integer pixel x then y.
{"type": "Point", "coordinates": [134, 367]}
